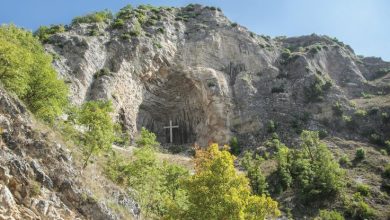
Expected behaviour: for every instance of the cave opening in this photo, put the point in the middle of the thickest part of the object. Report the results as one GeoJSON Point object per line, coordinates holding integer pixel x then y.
{"type": "Point", "coordinates": [177, 99]}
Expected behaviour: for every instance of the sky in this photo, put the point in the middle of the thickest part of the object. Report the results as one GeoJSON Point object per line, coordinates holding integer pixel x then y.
{"type": "Point", "coordinates": [363, 24]}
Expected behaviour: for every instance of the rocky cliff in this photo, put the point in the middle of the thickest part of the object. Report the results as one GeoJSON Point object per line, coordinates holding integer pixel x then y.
{"type": "Point", "coordinates": [213, 78]}
{"type": "Point", "coordinates": [40, 178]}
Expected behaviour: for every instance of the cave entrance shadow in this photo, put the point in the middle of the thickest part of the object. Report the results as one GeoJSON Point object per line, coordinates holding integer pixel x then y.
{"type": "Point", "coordinates": [177, 99]}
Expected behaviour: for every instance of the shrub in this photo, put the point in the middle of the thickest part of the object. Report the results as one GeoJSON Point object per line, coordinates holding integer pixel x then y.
{"type": "Point", "coordinates": [387, 144]}
{"type": "Point", "coordinates": [344, 161]}
{"type": "Point", "coordinates": [357, 208]}
{"type": "Point", "coordinates": [44, 33]}
{"type": "Point", "coordinates": [286, 54]}
{"type": "Point", "coordinates": [35, 188]}
{"type": "Point", "coordinates": [330, 215]}
{"type": "Point", "coordinates": [337, 109]}
{"type": "Point", "coordinates": [278, 89]}
{"type": "Point", "coordinates": [316, 91]}
{"type": "Point", "coordinates": [283, 171]}
{"type": "Point", "coordinates": [26, 70]}
{"type": "Point", "coordinates": [95, 17]}
{"type": "Point", "coordinates": [125, 12]}
{"type": "Point", "coordinates": [147, 139]}
{"type": "Point", "coordinates": [375, 139]}
{"type": "Point", "coordinates": [102, 72]}
{"type": "Point", "coordinates": [251, 163]}
{"type": "Point", "coordinates": [118, 23]}
{"type": "Point", "coordinates": [360, 154]}
{"type": "Point", "coordinates": [322, 134]}
{"type": "Point", "coordinates": [271, 126]}
{"type": "Point", "coordinates": [235, 148]}
{"type": "Point", "coordinates": [363, 189]}
{"type": "Point", "coordinates": [386, 173]}
{"type": "Point", "coordinates": [361, 113]}
{"type": "Point", "coordinates": [234, 24]}
{"type": "Point", "coordinates": [385, 117]}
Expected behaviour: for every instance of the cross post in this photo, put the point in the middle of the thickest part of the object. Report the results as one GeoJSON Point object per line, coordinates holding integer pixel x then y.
{"type": "Point", "coordinates": [170, 127]}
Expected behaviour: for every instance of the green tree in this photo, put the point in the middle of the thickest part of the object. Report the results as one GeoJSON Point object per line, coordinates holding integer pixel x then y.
{"type": "Point", "coordinates": [99, 128]}
{"type": "Point", "coordinates": [26, 70]}
{"type": "Point", "coordinates": [314, 169]}
{"type": "Point", "coordinates": [251, 163]}
{"type": "Point", "coordinates": [217, 191]}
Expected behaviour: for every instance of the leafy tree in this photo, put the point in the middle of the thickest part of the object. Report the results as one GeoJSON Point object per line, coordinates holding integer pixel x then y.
{"type": "Point", "coordinates": [217, 191]}
{"type": "Point", "coordinates": [314, 169]}
{"type": "Point", "coordinates": [99, 133]}
{"type": "Point", "coordinates": [256, 178]}
{"type": "Point", "coordinates": [284, 167]}
{"type": "Point", "coordinates": [26, 70]}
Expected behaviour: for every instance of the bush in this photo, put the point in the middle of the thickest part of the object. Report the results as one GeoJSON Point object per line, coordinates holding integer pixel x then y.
{"type": "Point", "coordinates": [125, 12]}
{"type": "Point", "coordinates": [95, 17]}
{"type": "Point", "coordinates": [251, 163]}
{"type": "Point", "coordinates": [44, 33]}
{"type": "Point", "coordinates": [271, 126]}
{"type": "Point", "coordinates": [26, 70]}
{"type": "Point", "coordinates": [35, 188]}
{"type": "Point", "coordinates": [363, 189]}
{"type": "Point", "coordinates": [357, 208]}
{"type": "Point", "coordinates": [102, 72]}
{"type": "Point", "coordinates": [376, 139]}
{"type": "Point", "coordinates": [235, 148]}
{"type": "Point", "coordinates": [386, 173]}
{"type": "Point", "coordinates": [360, 154]}
{"type": "Point", "coordinates": [147, 139]}
{"type": "Point", "coordinates": [337, 109]}
{"type": "Point", "coordinates": [234, 24]}
{"type": "Point", "coordinates": [118, 23]}
{"type": "Point", "coordinates": [344, 161]}
{"type": "Point", "coordinates": [279, 89]}
{"type": "Point", "coordinates": [314, 171]}
{"type": "Point", "coordinates": [316, 91]}
{"type": "Point", "coordinates": [330, 215]}
{"type": "Point", "coordinates": [322, 134]}
{"type": "Point", "coordinates": [361, 113]}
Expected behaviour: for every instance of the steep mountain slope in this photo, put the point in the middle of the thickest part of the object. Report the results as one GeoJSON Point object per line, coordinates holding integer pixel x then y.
{"type": "Point", "coordinates": [40, 178]}
{"type": "Point", "coordinates": [215, 79]}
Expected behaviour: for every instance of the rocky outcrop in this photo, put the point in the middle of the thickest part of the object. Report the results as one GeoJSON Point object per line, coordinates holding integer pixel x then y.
{"type": "Point", "coordinates": [38, 177]}
{"type": "Point", "coordinates": [213, 78]}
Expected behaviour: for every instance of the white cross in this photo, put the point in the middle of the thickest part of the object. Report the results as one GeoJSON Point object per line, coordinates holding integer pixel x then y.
{"type": "Point", "coordinates": [170, 130]}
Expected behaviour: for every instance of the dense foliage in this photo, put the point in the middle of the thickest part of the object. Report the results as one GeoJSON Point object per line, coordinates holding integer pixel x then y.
{"type": "Point", "coordinates": [311, 168]}
{"type": "Point", "coordinates": [166, 190]}
{"type": "Point", "coordinates": [251, 163]}
{"type": "Point", "coordinates": [156, 182]}
{"type": "Point", "coordinates": [217, 191]}
{"type": "Point", "coordinates": [100, 16]}
{"type": "Point", "coordinates": [44, 32]}
{"type": "Point", "coordinates": [26, 70]}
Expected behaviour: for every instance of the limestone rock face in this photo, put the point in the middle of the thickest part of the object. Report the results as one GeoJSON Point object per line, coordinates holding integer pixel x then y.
{"type": "Point", "coordinates": [213, 78]}
{"type": "Point", "coordinates": [38, 179]}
